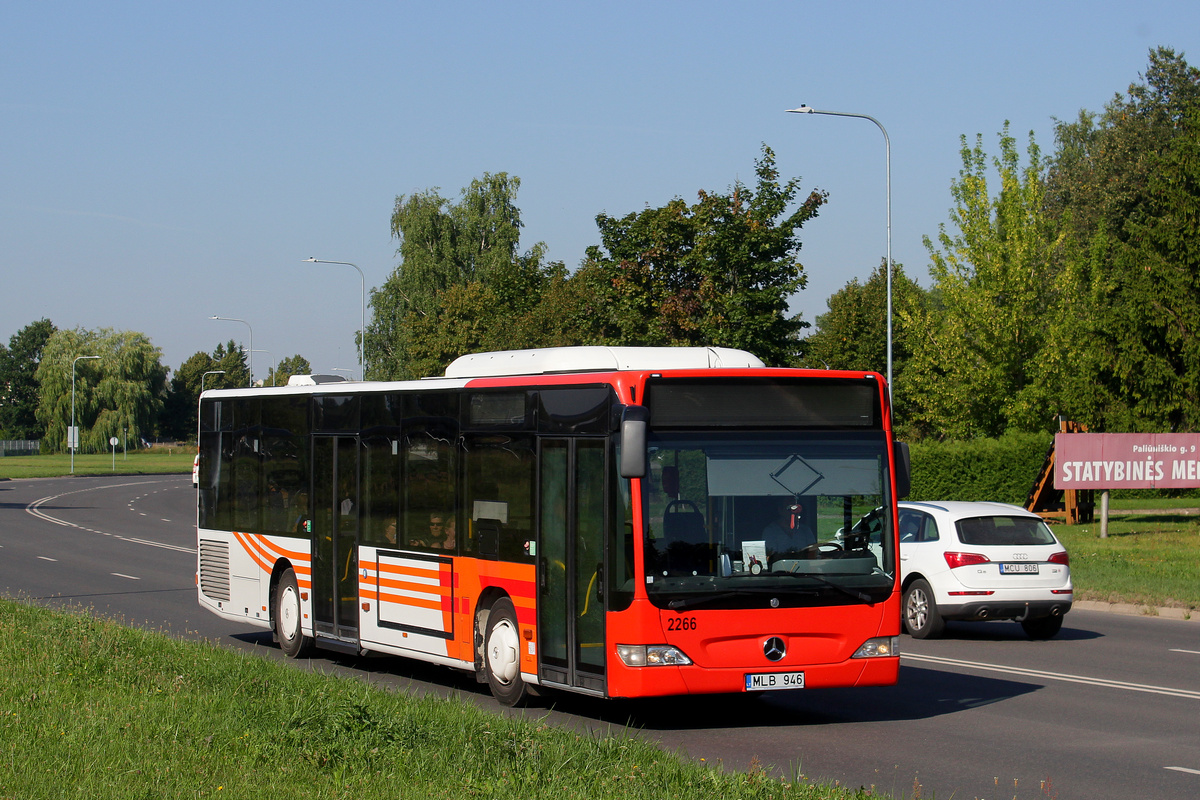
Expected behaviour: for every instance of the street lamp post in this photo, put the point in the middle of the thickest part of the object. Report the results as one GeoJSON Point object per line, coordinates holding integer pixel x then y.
{"type": "Point", "coordinates": [888, 149]}
{"type": "Point", "coordinates": [362, 364]}
{"type": "Point", "coordinates": [247, 324]}
{"type": "Point", "coordinates": [72, 434]}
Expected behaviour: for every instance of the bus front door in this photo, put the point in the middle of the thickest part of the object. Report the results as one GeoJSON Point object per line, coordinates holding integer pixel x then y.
{"type": "Point", "coordinates": [335, 534]}
{"type": "Point", "coordinates": [571, 563]}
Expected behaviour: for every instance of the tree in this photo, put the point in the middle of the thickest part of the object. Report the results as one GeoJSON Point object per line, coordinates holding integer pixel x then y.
{"type": "Point", "coordinates": [18, 382]}
{"type": "Point", "coordinates": [976, 348]}
{"type": "Point", "coordinates": [293, 365]}
{"type": "Point", "coordinates": [120, 394]}
{"type": "Point", "coordinates": [716, 273]}
{"type": "Point", "coordinates": [852, 334]}
{"type": "Point", "coordinates": [1124, 188]}
{"type": "Point", "coordinates": [445, 246]}
{"type": "Point", "coordinates": [178, 420]}
{"type": "Point", "coordinates": [231, 358]}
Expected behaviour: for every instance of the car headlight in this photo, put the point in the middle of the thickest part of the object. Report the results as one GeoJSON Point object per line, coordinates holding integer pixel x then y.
{"type": "Point", "coordinates": [652, 655]}
{"type": "Point", "coordinates": [879, 647]}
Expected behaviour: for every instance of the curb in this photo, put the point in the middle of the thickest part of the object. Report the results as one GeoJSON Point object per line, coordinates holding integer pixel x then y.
{"type": "Point", "coordinates": [1129, 609]}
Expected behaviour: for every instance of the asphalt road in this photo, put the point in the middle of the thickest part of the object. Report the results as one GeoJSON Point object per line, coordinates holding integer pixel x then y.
{"type": "Point", "coordinates": [1109, 708]}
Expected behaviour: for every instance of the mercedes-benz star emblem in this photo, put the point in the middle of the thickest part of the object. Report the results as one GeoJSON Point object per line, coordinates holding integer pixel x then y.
{"type": "Point", "coordinates": [774, 648]}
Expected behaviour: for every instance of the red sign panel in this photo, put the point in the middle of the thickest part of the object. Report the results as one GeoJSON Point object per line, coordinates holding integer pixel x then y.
{"type": "Point", "coordinates": [1126, 460]}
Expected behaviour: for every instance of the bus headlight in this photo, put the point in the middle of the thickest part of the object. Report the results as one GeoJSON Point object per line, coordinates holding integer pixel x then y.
{"type": "Point", "coordinates": [652, 655]}
{"type": "Point", "coordinates": [879, 647]}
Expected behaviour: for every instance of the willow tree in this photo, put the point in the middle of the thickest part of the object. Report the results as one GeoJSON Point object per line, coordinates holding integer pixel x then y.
{"type": "Point", "coordinates": [118, 394]}
{"type": "Point", "coordinates": [452, 256]}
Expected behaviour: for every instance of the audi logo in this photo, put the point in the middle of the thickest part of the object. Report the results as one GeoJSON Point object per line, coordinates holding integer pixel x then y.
{"type": "Point", "coordinates": [1021, 556]}
{"type": "Point", "coordinates": [774, 649]}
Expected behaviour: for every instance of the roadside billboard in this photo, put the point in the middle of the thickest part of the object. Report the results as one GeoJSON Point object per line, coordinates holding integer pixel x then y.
{"type": "Point", "coordinates": [1126, 460]}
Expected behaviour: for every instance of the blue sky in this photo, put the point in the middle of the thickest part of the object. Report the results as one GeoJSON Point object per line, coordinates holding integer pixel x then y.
{"type": "Point", "coordinates": [161, 163]}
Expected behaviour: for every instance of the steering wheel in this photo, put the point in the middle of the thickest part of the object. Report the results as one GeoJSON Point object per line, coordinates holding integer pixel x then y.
{"type": "Point", "coordinates": [677, 507]}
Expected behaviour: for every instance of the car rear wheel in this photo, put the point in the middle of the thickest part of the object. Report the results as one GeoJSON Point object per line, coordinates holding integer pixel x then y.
{"type": "Point", "coordinates": [1042, 627]}
{"type": "Point", "coordinates": [921, 616]}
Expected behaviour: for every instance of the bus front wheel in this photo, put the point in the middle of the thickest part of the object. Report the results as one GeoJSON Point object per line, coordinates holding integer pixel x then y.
{"type": "Point", "coordinates": [288, 628]}
{"type": "Point", "coordinates": [502, 654]}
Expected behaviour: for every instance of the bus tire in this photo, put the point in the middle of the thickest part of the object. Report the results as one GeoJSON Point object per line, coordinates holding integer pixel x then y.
{"type": "Point", "coordinates": [287, 619]}
{"type": "Point", "coordinates": [502, 654]}
{"type": "Point", "coordinates": [920, 613]}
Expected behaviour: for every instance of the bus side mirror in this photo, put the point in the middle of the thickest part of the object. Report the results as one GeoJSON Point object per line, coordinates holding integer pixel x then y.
{"type": "Point", "coordinates": [633, 441]}
{"type": "Point", "coordinates": [903, 469]}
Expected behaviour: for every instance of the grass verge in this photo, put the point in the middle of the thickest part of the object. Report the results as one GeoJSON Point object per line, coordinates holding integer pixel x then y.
{"type": "Point", "coordinates": [1147, 560]}
{"type": "Point", "coordinates": [90, 708]}
{"type": "Point", "coordinates": [156, 461]}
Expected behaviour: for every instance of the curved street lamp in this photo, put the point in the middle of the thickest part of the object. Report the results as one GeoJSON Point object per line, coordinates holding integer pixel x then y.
{"type": "Point", "coordinates": [247, 324]}
{"type": "Point", "coordinates": [72, 433]}
{"type": "Point", "coordinates": [888, 148]}
{"type": "Point", "coordinates": [362, 364]}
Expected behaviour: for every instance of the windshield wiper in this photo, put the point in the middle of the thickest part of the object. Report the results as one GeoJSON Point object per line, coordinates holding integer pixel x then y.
{"type": "Point", "coordinates": [698, 600]}
{"type": "Point", "coordinates": [855, 593]}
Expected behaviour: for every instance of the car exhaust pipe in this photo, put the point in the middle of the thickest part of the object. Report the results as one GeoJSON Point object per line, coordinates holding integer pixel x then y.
{"type": "Point", "coordinates": [1056, 611]}
{"type": "Point", "coordinates": [983, 613]}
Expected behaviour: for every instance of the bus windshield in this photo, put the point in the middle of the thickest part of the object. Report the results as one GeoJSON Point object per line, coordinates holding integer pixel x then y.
{"type": "Point", "coordinates": [756, 519]}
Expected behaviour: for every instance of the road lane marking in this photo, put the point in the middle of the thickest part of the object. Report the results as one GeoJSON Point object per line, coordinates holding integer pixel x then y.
{"type": "Point", "coordinates": [1185, 769]}
{"type": "Point", "coordinates": [123, 575]}
{"type": "Point", "coordinates": [1189, 652]}
{"type": "Point", "coordinates": [34, 509]}
{"type": "Point", "coordinates": [1057, 676]}
{"type": "Point", "coordinates": [47, 558]}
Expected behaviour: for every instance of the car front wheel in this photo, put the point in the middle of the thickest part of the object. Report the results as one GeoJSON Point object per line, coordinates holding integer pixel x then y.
{"type": "Point", "coordinates": [921, 616]}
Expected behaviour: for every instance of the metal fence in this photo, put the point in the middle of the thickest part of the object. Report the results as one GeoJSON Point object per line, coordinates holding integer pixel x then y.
{"type": "Point", "coordinates": [20, 447]}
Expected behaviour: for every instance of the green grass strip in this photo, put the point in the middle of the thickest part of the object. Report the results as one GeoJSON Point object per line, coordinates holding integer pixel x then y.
{"type": "Point", "coordinates": [160, 460]}
{"type": "Point", "coordinates": [91, 708]}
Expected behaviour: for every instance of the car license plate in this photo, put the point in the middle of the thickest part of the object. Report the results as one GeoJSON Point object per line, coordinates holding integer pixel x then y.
{"type": "Point", "coordinates": [767, 681]}
{"type": "Point", "coordinates": [1019, 569]}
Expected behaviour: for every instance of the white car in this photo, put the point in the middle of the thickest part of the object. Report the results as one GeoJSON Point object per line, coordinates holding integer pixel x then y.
{"type": "Point", "coordinates": [981, 561]}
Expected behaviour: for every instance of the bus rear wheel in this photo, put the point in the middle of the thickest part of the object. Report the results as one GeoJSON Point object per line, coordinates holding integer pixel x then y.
{"type": "Point", "coordinates": [287, 619]}
{"type": "Point", "coordinates": [502, 655]}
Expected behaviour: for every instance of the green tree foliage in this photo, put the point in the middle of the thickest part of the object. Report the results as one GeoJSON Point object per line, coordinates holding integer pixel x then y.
{"type": "Point", "coordinates": [287, 367]}
{"type": "Point", "coordinates": [231, 357]}
{"type": "Point", "coordinates": [461, 280]}
{"type": "Point", "coordinates": [18, 382]}
{"type": "Point", "coordinates": [975, 349]}
{"type": "Point", "coordinates": [120, 394]}
{"type": "Point", "coordinates": [719, 272]}
{"type": "Point", "coordinates": [1125, 188]}
{"type": "Point", "coordinates": [852, 334]}
{"type": "Point", "coordinates": [178, 419]}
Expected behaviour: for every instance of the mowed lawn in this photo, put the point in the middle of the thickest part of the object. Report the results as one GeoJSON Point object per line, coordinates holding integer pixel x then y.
{"type": "Point", "coordinates": [158, 460]}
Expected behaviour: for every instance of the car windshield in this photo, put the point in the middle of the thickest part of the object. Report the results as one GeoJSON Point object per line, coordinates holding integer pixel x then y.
{"type": "Point", "coordinates": [751, 519]}
{"type": "Point", "coordinates": [1003, 531]}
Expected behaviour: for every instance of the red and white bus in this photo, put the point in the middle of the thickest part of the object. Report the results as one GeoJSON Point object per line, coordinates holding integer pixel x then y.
{"type": "Point", "coordinates": [589, 519]}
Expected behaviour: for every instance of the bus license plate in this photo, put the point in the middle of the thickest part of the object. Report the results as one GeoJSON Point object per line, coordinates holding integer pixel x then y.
{"type": "Point", "coordinates": [767, 681]}
{"type": "Point", "coordinates": [1018, 569]}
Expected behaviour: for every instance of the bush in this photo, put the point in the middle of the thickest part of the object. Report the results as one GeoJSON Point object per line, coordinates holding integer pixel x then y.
{"type": "Point", "coordinates": [1001, 469]}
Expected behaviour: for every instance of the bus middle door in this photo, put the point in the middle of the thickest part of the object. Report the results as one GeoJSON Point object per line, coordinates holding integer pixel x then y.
{"type": "Point", "coordinates": [571, 563]}
{"type": "Point", "coordinates": [335, 538]}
